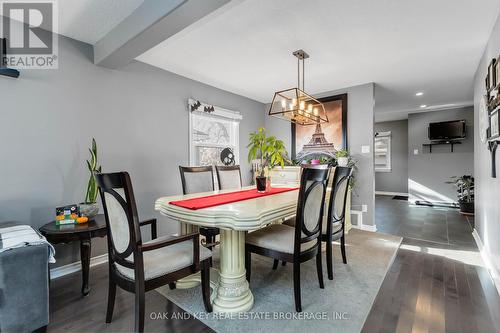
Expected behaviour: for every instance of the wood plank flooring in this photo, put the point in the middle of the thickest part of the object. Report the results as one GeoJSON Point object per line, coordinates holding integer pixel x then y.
{"type": "Point", "coordinates": [436, 283]}
{"type": "Point", "coordinates": [70, 312]}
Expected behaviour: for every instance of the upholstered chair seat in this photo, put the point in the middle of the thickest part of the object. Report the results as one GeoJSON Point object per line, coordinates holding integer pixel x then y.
{"type": "Point", "coordinates": [277, 237]}
{"type": "Point", "coordinates": [165, 260]}
{"type": "Point", "coordinates": [138, 266]}
{"type": "Point", "coordinates": [301, 242]}
{"type": "Point", "coordinates": [332, 228]}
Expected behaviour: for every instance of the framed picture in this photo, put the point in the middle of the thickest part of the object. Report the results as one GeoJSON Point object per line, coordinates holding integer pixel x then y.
{"type": "Point", "coordinates": [322, 140]}
{"type": "Point", "coordinates": [492, 75]}
{"type": "Point", "coordinates": [494, 125]}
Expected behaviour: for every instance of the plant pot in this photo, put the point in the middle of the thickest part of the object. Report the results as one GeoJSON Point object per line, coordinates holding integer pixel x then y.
{"type": "Point", "coordinates": [466, 208]}
{"type": "Point", "coordinates": [89, 210]}
{"type": "Point", "coordinates": [342, 161]}
{"type": "Point", "coordinates": [261, 183]}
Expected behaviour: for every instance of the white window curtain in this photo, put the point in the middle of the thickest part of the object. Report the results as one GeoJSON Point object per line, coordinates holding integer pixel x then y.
{"type": "Point", "coordinates": [212, 130]}
{"type": "Point", "coordinates": [383, 152]}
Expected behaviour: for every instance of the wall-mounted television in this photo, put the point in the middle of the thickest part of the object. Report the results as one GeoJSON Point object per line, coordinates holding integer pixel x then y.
{"type": "Point", "coordinates": [447, 130]}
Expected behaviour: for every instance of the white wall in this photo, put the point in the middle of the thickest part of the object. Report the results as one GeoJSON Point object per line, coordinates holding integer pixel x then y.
{"type": "Point", "coordinates": [360, 119]}
{"type": "Point", "coordinates": [487, 190]}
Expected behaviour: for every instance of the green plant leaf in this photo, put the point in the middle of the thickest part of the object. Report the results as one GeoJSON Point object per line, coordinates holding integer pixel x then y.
{"type": "Point", "coordinates": [93, 159]}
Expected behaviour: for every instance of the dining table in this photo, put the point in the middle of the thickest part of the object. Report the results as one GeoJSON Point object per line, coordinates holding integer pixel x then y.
{"type": "Point", "coordinates": [230, 290]}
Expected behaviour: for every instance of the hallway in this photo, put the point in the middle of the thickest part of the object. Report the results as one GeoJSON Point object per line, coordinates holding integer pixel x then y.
{"type": "Point", "coordinates": [437, 282]}
{"type": "Point", "coordinates": [433, 224]}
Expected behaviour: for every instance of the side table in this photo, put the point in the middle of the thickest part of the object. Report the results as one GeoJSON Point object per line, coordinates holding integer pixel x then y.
{"type": "Point", "coordinates": [83, 233]}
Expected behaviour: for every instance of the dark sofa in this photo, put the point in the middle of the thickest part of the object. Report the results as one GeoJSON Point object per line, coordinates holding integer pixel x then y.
{"type": "Point", "coordinates": [24, 289]}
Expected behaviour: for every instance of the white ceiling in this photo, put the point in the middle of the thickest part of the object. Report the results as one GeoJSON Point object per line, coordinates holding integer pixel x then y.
{"type": "Point", "coordinates": [404, 46]}
{"type": "Point", "coordinates": [90, 20]}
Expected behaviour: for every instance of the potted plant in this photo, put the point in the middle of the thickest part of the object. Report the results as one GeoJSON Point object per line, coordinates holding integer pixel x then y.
{"type": "Point", "coordinates": [342, 156]}
{"type": "Point", "coordinates": [270, 151]}
{"type": "Point", "coordinates": [465, 190]}
{"type": "Point", "coordinates": [90, 208]}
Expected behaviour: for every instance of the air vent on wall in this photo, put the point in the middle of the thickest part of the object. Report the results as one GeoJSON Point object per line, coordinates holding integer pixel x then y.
{"type": "Point", "coordinates": [4, 71]}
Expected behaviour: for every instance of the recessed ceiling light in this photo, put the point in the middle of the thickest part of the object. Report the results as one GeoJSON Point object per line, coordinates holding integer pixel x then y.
{"type": "Point", "coordinates": [423, 106]}
{"type": "Point", "coordinates": [419, 93]}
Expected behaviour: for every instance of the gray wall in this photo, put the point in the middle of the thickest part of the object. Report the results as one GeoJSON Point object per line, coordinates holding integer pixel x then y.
{"type": "Point", "coordinates": [397, 179]}
{"type": "Point", "coordinates": [427, 173]}
{"type": "Point", "coordinates": [487, 189]}
{"type": "Point", "coordinates": [137, 114]}
{"type": "Point", "coordinates": [360, 120]}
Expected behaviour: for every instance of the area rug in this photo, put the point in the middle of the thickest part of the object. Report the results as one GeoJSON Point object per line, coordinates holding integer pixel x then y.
{"type": "Point", "coordinates": [342, 306]}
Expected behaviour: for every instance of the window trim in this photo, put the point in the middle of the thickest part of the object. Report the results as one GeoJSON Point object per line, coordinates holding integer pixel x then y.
{"type": "Point", "coordinates": [388, 166]}
{"type": "Point", "coordinates": [196, 107]}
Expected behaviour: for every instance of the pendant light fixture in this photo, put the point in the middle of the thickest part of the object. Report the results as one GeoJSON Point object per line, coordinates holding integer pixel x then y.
{"type": "Point", "coordinates": [294, 104]}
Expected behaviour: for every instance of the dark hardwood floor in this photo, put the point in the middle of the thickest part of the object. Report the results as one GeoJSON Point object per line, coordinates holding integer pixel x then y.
{"type": "Point", "coordinates": [71, 312]}
{"type": "Point", "coordinates": [432, 224]}
{"type": "Point", "coordinates": [435, 284]}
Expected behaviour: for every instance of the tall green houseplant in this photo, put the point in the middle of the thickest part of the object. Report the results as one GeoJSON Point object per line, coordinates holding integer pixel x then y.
{"type": "Point", "coordinates": [91, 196]}
{"type": "Point", "coordinates": [270, 151]}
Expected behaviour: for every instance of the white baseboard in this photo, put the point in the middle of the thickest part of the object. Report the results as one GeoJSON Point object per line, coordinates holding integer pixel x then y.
{"type": "Point", "coordinates": [372, 228]}
{"type": "Point", "coordinates": [365, 227]}
{"type": "Point", "coordinates": [76, 266]}
{"type": "Point", "coordinates": [391, 193]}
{"type": "Point", "coordinates": [495, 276]}
{"type": "Point", "coordinates": [359, 219]}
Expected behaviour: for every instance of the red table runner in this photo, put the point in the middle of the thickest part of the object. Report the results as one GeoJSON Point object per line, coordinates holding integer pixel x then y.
{"type": "Point", "coordinates": [225, 198]}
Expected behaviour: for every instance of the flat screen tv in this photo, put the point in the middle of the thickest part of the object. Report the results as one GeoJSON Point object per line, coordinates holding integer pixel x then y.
{"type": "Point", "coordinates": [447, 130]}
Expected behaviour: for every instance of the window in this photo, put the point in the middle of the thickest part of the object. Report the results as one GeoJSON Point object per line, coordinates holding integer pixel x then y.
{"type": "Point", "coordinates": [383, 152]}
{"type": "Point", "coordinates": [214, 135]}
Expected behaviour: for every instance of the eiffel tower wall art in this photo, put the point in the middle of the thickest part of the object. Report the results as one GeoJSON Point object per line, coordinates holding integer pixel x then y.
{"type": "Point", "coordinates": [322, 140]}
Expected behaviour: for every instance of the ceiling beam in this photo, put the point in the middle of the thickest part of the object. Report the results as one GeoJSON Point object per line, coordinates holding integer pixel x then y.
{"type": "Point", "coordinates": [151, 23]}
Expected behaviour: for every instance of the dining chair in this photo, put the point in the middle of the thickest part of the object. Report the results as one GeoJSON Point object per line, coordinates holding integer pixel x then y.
{"type": "Point", "coordinates": [197, 180]}
{"type": "Point", "coordinates": [138, 266]}
{"type": "Point", "coordinates": [334, 228]}
{"type": "Point", "coordinates": [300, 243]}
{"type": "Point", "coordinates": [228, 177]}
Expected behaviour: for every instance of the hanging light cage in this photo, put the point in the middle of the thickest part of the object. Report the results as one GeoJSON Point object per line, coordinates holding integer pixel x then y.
{"type": "Point", "coordinates": [295, 105]}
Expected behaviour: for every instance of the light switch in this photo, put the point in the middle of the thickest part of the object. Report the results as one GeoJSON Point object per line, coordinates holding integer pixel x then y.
{"type": "Point", "coordinates": [365, 149]}
{"type": "Point", "coordinates": [415, 151]}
